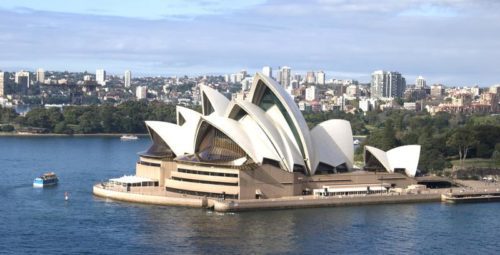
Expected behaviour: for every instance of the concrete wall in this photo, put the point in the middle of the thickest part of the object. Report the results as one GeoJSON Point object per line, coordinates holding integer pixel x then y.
{"type": "Point", "coordinates": [203, 187]}
{"type": "Point", "coordinates": [154, 172]}
{"type": "Point", "coordinates": [399, 180]}
{"type": "Point", "coordinates": [271, 181]}
{"type": "Point", "coordinates": [149, 199]}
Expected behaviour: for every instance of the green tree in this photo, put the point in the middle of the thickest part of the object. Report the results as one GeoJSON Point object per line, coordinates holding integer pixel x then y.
{"type": "Point", "coordinates": [463, 140]}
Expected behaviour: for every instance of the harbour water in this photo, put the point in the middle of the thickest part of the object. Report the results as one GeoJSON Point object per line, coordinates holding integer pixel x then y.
{"type": "Point", "coordinates": [40, 221]}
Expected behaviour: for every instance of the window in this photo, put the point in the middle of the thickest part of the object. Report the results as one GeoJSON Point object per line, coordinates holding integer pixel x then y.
{"type": "Point", "coordinates": [271, 162]}
{"type": "Point", "coordinates": [207, 106]}
{"type": "Point", "coordinates": [214, 145]}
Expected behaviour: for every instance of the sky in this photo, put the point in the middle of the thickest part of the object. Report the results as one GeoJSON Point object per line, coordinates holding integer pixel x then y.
{"type": "Point", "coordinates": [454, 42]}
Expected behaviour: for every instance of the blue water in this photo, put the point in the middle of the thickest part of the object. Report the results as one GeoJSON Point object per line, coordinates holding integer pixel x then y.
{"type": "Point", "coordinates": [40, 221]}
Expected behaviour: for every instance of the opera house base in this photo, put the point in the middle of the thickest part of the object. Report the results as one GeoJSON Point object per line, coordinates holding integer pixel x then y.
{"type": "Point", "coordinates": [295, 202]}
{"type": "Point", "coordinates": [170, 183]}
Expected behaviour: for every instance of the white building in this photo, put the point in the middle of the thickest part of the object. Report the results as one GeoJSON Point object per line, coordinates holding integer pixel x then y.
{"type": "Point", "coordinates": [420, 82]}
{"type": "Point", "coordinates": [40, 75]}
{"type": "Point", "coordinates": [2, 83]}
{"type": "Point", "coordinates": [368, 104]}
{"type": "Point", "coordinates": [286, 76]}
{"type": "Point", "coordinates": [268, 71]}
{"type": "Point", "coordinates": [387, 84]}
{"type": "Point", "coordinates": [127, 78]}
{"type": "Point", "coordinates": [100, 76]}
{"type": "Point", "coordinates": [311, 93]}
{"type": "Point", "coordinates": [352, 91]}
{"type": "Point", "coordinates": [310, 78]}
{"type": "Point", "coordinates": [23, 78]}
{"type": "Point", "coordinates": [320, 78]}
{"type": "Point", "coordinates": [141, 92]}
{"type": "Point", "coordinates": [252, 148]}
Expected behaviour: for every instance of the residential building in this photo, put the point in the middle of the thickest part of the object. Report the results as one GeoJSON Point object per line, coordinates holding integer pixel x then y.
{"type": "Point", "coordinates": [141, 92]}
{"type": "Point", "coordinates": [311, 93]}
{"type": "Point", "coordinates": [100, 76]}
{"type": "Point", "coordinates": [310, 78]}
{"type": "Point", "coordinates": [420, 82]}
{"type": "Point", "coordinates": [23, 78]}
{"type": "Point", "coordinates": [387, 84]}
{"type": "Point", "coordinates": [40, 75]}
{"type": "Point", "coordinates": [437, 91]}
{"type": "Point", "coordinates": [127, 78]}
{"type": "Point", "coordinates": [268, 71]}
{"type": "Point", "coordinates": [286, 76]}
{"type": "Point", "coordinates": [320, 78]}
{"type": "Point", "coordinates": [3, 77]}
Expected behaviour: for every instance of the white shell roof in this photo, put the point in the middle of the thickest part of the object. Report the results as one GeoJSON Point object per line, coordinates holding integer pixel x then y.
{"type": "Point", "coordinates": [406, 157]}
{"type": "Point", "coordinates": [294, 112]}
{"type": "Point", "coordinates": [333, 142]}
{"type": "Point", "coordinates": [218, 101]}
{"type": "Point", "coordinates": [285, 148]}
{"type": "Point", "coordinates": [173, 135]}
{"type": "Point", "coordinates": [264, 134]}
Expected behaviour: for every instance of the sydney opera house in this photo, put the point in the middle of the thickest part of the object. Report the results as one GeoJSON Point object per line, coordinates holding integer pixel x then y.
{"type": "Point", "coordinates": [260, 146]}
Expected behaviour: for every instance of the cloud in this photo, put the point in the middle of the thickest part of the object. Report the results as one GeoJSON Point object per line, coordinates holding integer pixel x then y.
{"type": "Point", "coordinates": [451, 42]}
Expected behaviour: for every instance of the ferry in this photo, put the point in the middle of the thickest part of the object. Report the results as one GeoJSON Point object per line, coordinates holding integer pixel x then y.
{"type": "Point", "coordinates": [471, 197]}
{"type": "Point", "coordinates": [128, 137]}
{"type": "Point", "coordinates": [47, 179]}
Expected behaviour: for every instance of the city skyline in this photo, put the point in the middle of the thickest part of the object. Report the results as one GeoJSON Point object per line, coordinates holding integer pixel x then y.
{"type": "Point", "coordinates": [450, 42]}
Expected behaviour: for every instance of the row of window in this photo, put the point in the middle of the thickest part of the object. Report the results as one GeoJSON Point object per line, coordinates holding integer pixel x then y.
{"type": "Point", "coordinates": [205, 182]}
{"type": "Point", "coordinates": [145, 163]}
{"type": "Point", "coordinates": [189, 171]}
{"type": "Point", "coordinates": [203, 194]}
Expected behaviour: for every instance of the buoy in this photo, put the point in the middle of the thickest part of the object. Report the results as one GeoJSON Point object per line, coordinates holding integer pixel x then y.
{"type": "Point", "coordinates": [66, 196]}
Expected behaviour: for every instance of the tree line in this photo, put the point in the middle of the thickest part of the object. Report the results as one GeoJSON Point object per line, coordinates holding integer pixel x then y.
{"type": "Point", "coordinates": [443, 137]}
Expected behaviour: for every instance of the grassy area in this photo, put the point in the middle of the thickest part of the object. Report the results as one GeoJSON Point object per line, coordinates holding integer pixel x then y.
{"type": "Point", "coordinates": [476, 162]}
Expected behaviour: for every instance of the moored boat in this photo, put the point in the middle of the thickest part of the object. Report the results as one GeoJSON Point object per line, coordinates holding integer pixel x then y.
{"type": "Point", "coordinates": [128, 137]}
{"type": "Point", "coordinates": [471, 197]}
{"type": "Point", "coordinates": [47, 179]}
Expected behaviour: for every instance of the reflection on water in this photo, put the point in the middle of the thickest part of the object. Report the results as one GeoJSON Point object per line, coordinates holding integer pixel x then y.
{"type": "Point", "coordinates": [34, 220]}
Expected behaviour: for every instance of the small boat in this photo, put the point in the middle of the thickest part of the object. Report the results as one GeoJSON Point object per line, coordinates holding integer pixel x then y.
{"type": "Point", "coordinates": [47, 179]}
{"type": "Point", "coordinates": [128, 137]}
{"type": "Point", "coordinates": [356, 142]}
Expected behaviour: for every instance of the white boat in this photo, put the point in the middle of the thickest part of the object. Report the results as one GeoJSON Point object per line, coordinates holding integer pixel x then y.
{"type": "Point", "coordinates": [129, 137]}
{"type": "Point", "coordinates": [356, 142]}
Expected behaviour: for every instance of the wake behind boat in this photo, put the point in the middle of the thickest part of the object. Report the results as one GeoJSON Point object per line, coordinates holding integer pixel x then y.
{"type": "Point", "coordinates": [129, 138]}
{"type": "Point", "coordinates": [47, 179]}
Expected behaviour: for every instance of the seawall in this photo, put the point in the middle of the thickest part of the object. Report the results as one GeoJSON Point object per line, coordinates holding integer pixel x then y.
{"type": "Point", "coordinates": [308, 202]}
{"type": "Point", "coordinates": [149, 199]}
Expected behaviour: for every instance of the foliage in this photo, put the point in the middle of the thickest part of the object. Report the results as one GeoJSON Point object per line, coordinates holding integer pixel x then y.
{"type": "Point", "coordinates": [127, 117]}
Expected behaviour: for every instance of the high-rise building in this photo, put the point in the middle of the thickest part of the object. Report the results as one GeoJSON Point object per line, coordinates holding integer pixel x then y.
{"type": "Point", "coordinates": [437, 91]}
{"type": "Point", "coordinates": [320, 78]}
{"type": "Point", "coordinates": [127, 78]}
{"type": "Point", "coordinates": [286, 76]}
{"type": "Point", "coordinates": [141, 92]}
{"type": "Point", "coordinates": [23, 78]}
{"type": "Point", "coordinates": [311, 93]}
{"type": "Point", "coordinates": [3, 77]}
{"type": "Point", "coordinates": [268, 71]}
{"type": "Point", "coordinates": [420, 82]}
{"type": "Point", "coordinates": [387, 84]}
{"type": "Point", "coordinates": [100, 76]}
{"type": "Point", "coordinates": [310, 78]}
{"type": "Point", "coordinates": [40, 75]}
